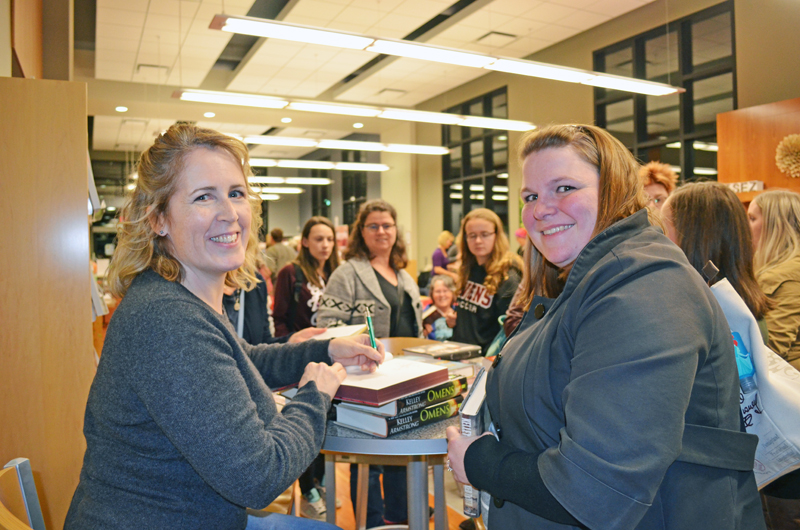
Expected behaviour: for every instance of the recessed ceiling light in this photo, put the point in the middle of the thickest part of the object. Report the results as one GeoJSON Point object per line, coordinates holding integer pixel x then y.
{"type": "Point", "coordinates": [286, 120]}
{"type": "Point", "coordinates": [111, 209]}
{"type": "Point", "coordinates": [121, 109]}
{"type": "Point", "coordinates": [358, 125]}
{"type": "Point", "coordinates": [209, 114]}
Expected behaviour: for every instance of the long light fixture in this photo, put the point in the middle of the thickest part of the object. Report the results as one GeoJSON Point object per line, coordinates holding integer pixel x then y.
{"type": "Point", "coordinates": [272, 102]}
{"type": "Point", "coordinates": [317, 164]}
{"type": "Point", "coordinates": [297, 181]}
{"type": "Point", "coordinates": [279, 191]}
{"type": "Point", "coordinates": [354, 145]}
{"type": "Point", "coordinates": [273, 29]}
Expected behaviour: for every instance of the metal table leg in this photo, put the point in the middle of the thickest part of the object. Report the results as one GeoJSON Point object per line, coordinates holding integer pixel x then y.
{"type": "Point", "coordinates": [440, 503]}
{"type": "Point", "coordinates": [330, 488]}
{"type": "Point", "coordinates": [417, 480]}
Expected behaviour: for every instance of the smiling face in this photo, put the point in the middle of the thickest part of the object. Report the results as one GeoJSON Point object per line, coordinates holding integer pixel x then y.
{"type": "Point", "coordinates": [560, 191]}
{"type": "Point", "coordinates": [319, 242]}
{"type": "Point", "coordinates": [208, 218]}
{"type": "Point", "coordinates": [442, 295]}
{"type": "Point", "coordinates": [756, 220]}
{"type": "Point", "coordinates": [379, 233]}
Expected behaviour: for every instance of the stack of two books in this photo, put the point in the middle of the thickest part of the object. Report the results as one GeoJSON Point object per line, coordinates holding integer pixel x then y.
{"type": "Point", "coordinates": [402, 395]}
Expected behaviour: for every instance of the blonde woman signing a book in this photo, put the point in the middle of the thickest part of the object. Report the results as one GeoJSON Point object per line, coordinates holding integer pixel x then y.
{"type": "Point", "coordinates": [607, 419]}
{"type": "Point", "coordinates": [181, 427]}
{"type": "Point", "coordinates": [373, 278]}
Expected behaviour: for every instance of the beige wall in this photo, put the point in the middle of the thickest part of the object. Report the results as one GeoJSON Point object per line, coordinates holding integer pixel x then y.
{"type": "Point", "coordinates": [764, 75]}
{"type": "Point", "coordinates": [5, 38]}
{"type": "Point", "coordinates": [399, 183]}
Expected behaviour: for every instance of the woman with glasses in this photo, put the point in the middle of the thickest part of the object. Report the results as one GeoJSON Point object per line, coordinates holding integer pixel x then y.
{"type": "Point", "coordinates": [487, 278]}
{"type": "Point", "coordinates": [373, 279]}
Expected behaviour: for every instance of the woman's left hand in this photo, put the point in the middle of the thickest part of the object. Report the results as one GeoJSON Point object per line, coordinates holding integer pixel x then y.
{"type": "Point", "coordinates": [305, 334]}
{"type": "Point", "coordinates": [457, 446]}
{"type": "Point", "coordinates": [356, 351]}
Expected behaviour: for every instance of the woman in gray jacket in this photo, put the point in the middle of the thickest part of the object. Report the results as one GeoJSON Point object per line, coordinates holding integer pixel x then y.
{"type": "Point", "coordinates": [372, 279]}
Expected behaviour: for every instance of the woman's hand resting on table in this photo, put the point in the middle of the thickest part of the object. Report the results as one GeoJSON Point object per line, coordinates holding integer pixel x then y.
{"type": "Point", "coordinates": [457, 446]}
{"type": "Point", "coordinates": [356, 351]}
{"type": "Point", "coordinates": [328, 378]}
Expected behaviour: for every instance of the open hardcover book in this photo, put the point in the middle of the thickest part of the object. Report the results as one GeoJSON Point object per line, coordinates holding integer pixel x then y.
{"type": "Point", "coordinates": [393, 379]}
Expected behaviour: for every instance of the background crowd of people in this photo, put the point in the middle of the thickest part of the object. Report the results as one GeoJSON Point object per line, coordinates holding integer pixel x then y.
{"type": "Point", "coordinates": [612, 333]}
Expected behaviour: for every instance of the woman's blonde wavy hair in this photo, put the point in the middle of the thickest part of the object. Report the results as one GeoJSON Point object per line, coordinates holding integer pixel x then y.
{"type": "Point", "coordinates": [780, 232]}
{"type": "Point", "coordinates": [500, 260]}
{"type": "Point", "coordinates": [621, 193]}
{"type": "Point", "coordinates": [138, 245]}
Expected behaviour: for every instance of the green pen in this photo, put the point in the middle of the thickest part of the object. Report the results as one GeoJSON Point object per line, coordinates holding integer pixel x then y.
{"type": "Point", "coordinates": [370, 328]}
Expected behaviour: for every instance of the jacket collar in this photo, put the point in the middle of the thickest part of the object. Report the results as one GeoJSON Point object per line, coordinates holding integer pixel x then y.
{"type": "Point", "coordinates": [366, 274]}
{"type": "Point", "coordinates": [602, 243]}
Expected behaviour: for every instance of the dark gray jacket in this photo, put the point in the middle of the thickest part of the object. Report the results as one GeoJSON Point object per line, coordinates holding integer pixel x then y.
{"type": "Point", "coordinates": [622, 397]}
{"type": "Point", "coordinates": [181, 428]}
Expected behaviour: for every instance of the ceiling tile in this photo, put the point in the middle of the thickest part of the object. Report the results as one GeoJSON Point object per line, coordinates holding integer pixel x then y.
{"type": "Point", "coordinates": [365, 17]}
{"type": "Point", "coordinates": [314, 9]}
{"type": "Point", "coordinates": [420, 8]}
{"type": "Point", "coordinates": [584, 20]}
{"type": "Point", "coordinates": [175, 8]}
{"type": "Point", "coordinates": [128, 5]}
{"type": "Point", "coordinates": [613, 8]}
{"type": "Point", "coordinates": [120, 17]}
{"type": "Point", "coordinates": [521, 27]}
{"type": "Point", "coordinates": [554, 33]}
{"type": "Point", "coordinates": [548, 12]}
{"type": "Point", "coordinates": [161, 22]}
{"type": "Point", "coordinates": [117, 31]}
{"type": "Point", "coordinates": [514, 8]}
{"type": "Point", "coordinates": [384, 6]}
{"type": "Point", "coordinates": [112, 44]}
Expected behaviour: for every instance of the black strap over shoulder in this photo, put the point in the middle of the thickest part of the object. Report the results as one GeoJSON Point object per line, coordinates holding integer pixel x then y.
{"type": "Point", "coordinates": [720, 448]}
{"type": "Point", "coordinates": [299, 280]}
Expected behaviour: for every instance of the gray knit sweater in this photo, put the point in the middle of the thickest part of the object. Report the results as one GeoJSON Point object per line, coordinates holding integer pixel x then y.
{"type": "Point", "coordinates": [181, 428]}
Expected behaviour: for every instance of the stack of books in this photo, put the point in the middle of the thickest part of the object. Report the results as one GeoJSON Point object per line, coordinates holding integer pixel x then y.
{"type": "Point", "coordinates": [400, 396]}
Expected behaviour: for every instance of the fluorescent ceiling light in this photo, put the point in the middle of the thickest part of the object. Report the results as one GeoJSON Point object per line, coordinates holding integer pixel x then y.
{"type": "Point", "coordinates": [298, 181]}
{"type": "Point", "coordinates": [289, 191]}
{"type": "Point", "coordinates": [260, 27]}
{"type": "Point", "coordinates": [456, 187]}
{"type": "Point", "coordinates": [353, 145]}
{"type": "Point", "coordinates": [502, 176]}
{"type": "Point", "coordinates": [705, 171]}
{"type": "Point", "coordinates": [476, 187]}
{"type": "Point", "coordinates": [501, 189]}
{"type": "Point", "coordinates": [269, 197]}
{"type": "Point", "coordinates": [231, 98]}
{"type": "Point", "coordinates": [627, 84]}
{"type": "Point", "coordinates": [427, 52]}
{"type": "Point", "coordinates": [308, 181]}
{"type": "Point", "coordinates": [316, 164]}
{"type": "Point", "coordinates": [701, 146]}
{"type": "Point", "coordinates": [499, 197]}
{"type": "Point", "coordinates": [456, 196]}
{"type": "Point", "coordinates": [417, 149]}
{"type": "Point", "coordinates": [266, 180]}
{"type": "Point", "coordinates": [443, 118]}
{"type": "Point", "coordinates": [477, 197]}
{"type": "Point", "coordinates": [305, 164]}
{"type": "Point", "coordinates": [546, 71]}
{"type": "Point", "coordinates": [255, 100]}
{"type": "Point", "coordinates": [344, 110]}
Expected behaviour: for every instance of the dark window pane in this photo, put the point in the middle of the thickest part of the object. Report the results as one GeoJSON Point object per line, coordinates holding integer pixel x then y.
{"type": "Point", "coordinates": [618, 63]}
{"type": "Point", "coordinates": [705, 158]}
{"type": "Point", "coordinates": [453, 200]}
{"type": "Point", "coordinates": [711, 39]}
{"type": "Point", "coordinates": [666, 154]}
{"type": "Point", "coordinates": [500, 106]}
{"type": "Point", "coordinates": [619, 120]}
{"type": "Point", "coordinates": [455, 162]}
{"type": "Point", "coordinates": [661, 57]}
{"type": "Point", "coordinates": [476, 157]}
{"type": "Point", "coordinates": [476, 109]}
{"type": "Point", "coordinates": [712, 96]}
{"type": "Point", "coordinates": [454, 133]}
{"type": "Point", "coordinates": [663, 116]}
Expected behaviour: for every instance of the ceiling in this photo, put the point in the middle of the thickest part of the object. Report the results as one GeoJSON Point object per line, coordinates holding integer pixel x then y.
{"type": "Point", "coordinates": [145, 49]}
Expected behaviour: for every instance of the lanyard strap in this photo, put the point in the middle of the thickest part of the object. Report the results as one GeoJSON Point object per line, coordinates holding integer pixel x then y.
{"type": "Point", "coordinates": [240, 322]}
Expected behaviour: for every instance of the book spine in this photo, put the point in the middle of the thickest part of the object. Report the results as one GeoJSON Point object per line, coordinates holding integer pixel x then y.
{"type": "Point", "coordinates": [472, 496]}
{"type": "Point", "coordinates": [431, 396]}
{"type": "Point", "coordinates": [426, 416]}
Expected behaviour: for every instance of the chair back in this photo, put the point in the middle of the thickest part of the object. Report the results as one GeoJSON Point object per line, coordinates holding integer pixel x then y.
{"type": "Point", "coordinates": [19, 502]}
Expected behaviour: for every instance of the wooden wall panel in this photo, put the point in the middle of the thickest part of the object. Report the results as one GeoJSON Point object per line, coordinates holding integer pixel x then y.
{"type": "Point", "coordinates": [46, 350]}
{"type": "Point", "coordinates": [747, 141]}
{"type": "Point", "coordinates": [26, 36]}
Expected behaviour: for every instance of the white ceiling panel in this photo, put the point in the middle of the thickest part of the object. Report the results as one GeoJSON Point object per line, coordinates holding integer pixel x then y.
{"type": "Point", "coordinates": [165, 31]}
{"type": "Point", "coordinates": [549, 12]}
{"type": "Point", "coordinates": [118, 133]}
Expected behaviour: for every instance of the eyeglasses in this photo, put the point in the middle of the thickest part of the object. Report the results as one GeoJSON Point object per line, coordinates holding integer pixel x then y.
{"type": "Point", "coordinates": [375, 227]}
{"type": "Point", "coordinates": [483, 235]}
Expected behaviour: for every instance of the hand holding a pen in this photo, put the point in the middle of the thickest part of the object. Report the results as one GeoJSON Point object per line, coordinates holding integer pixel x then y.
{"type": "Point", "coordinates": [357, 351]}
